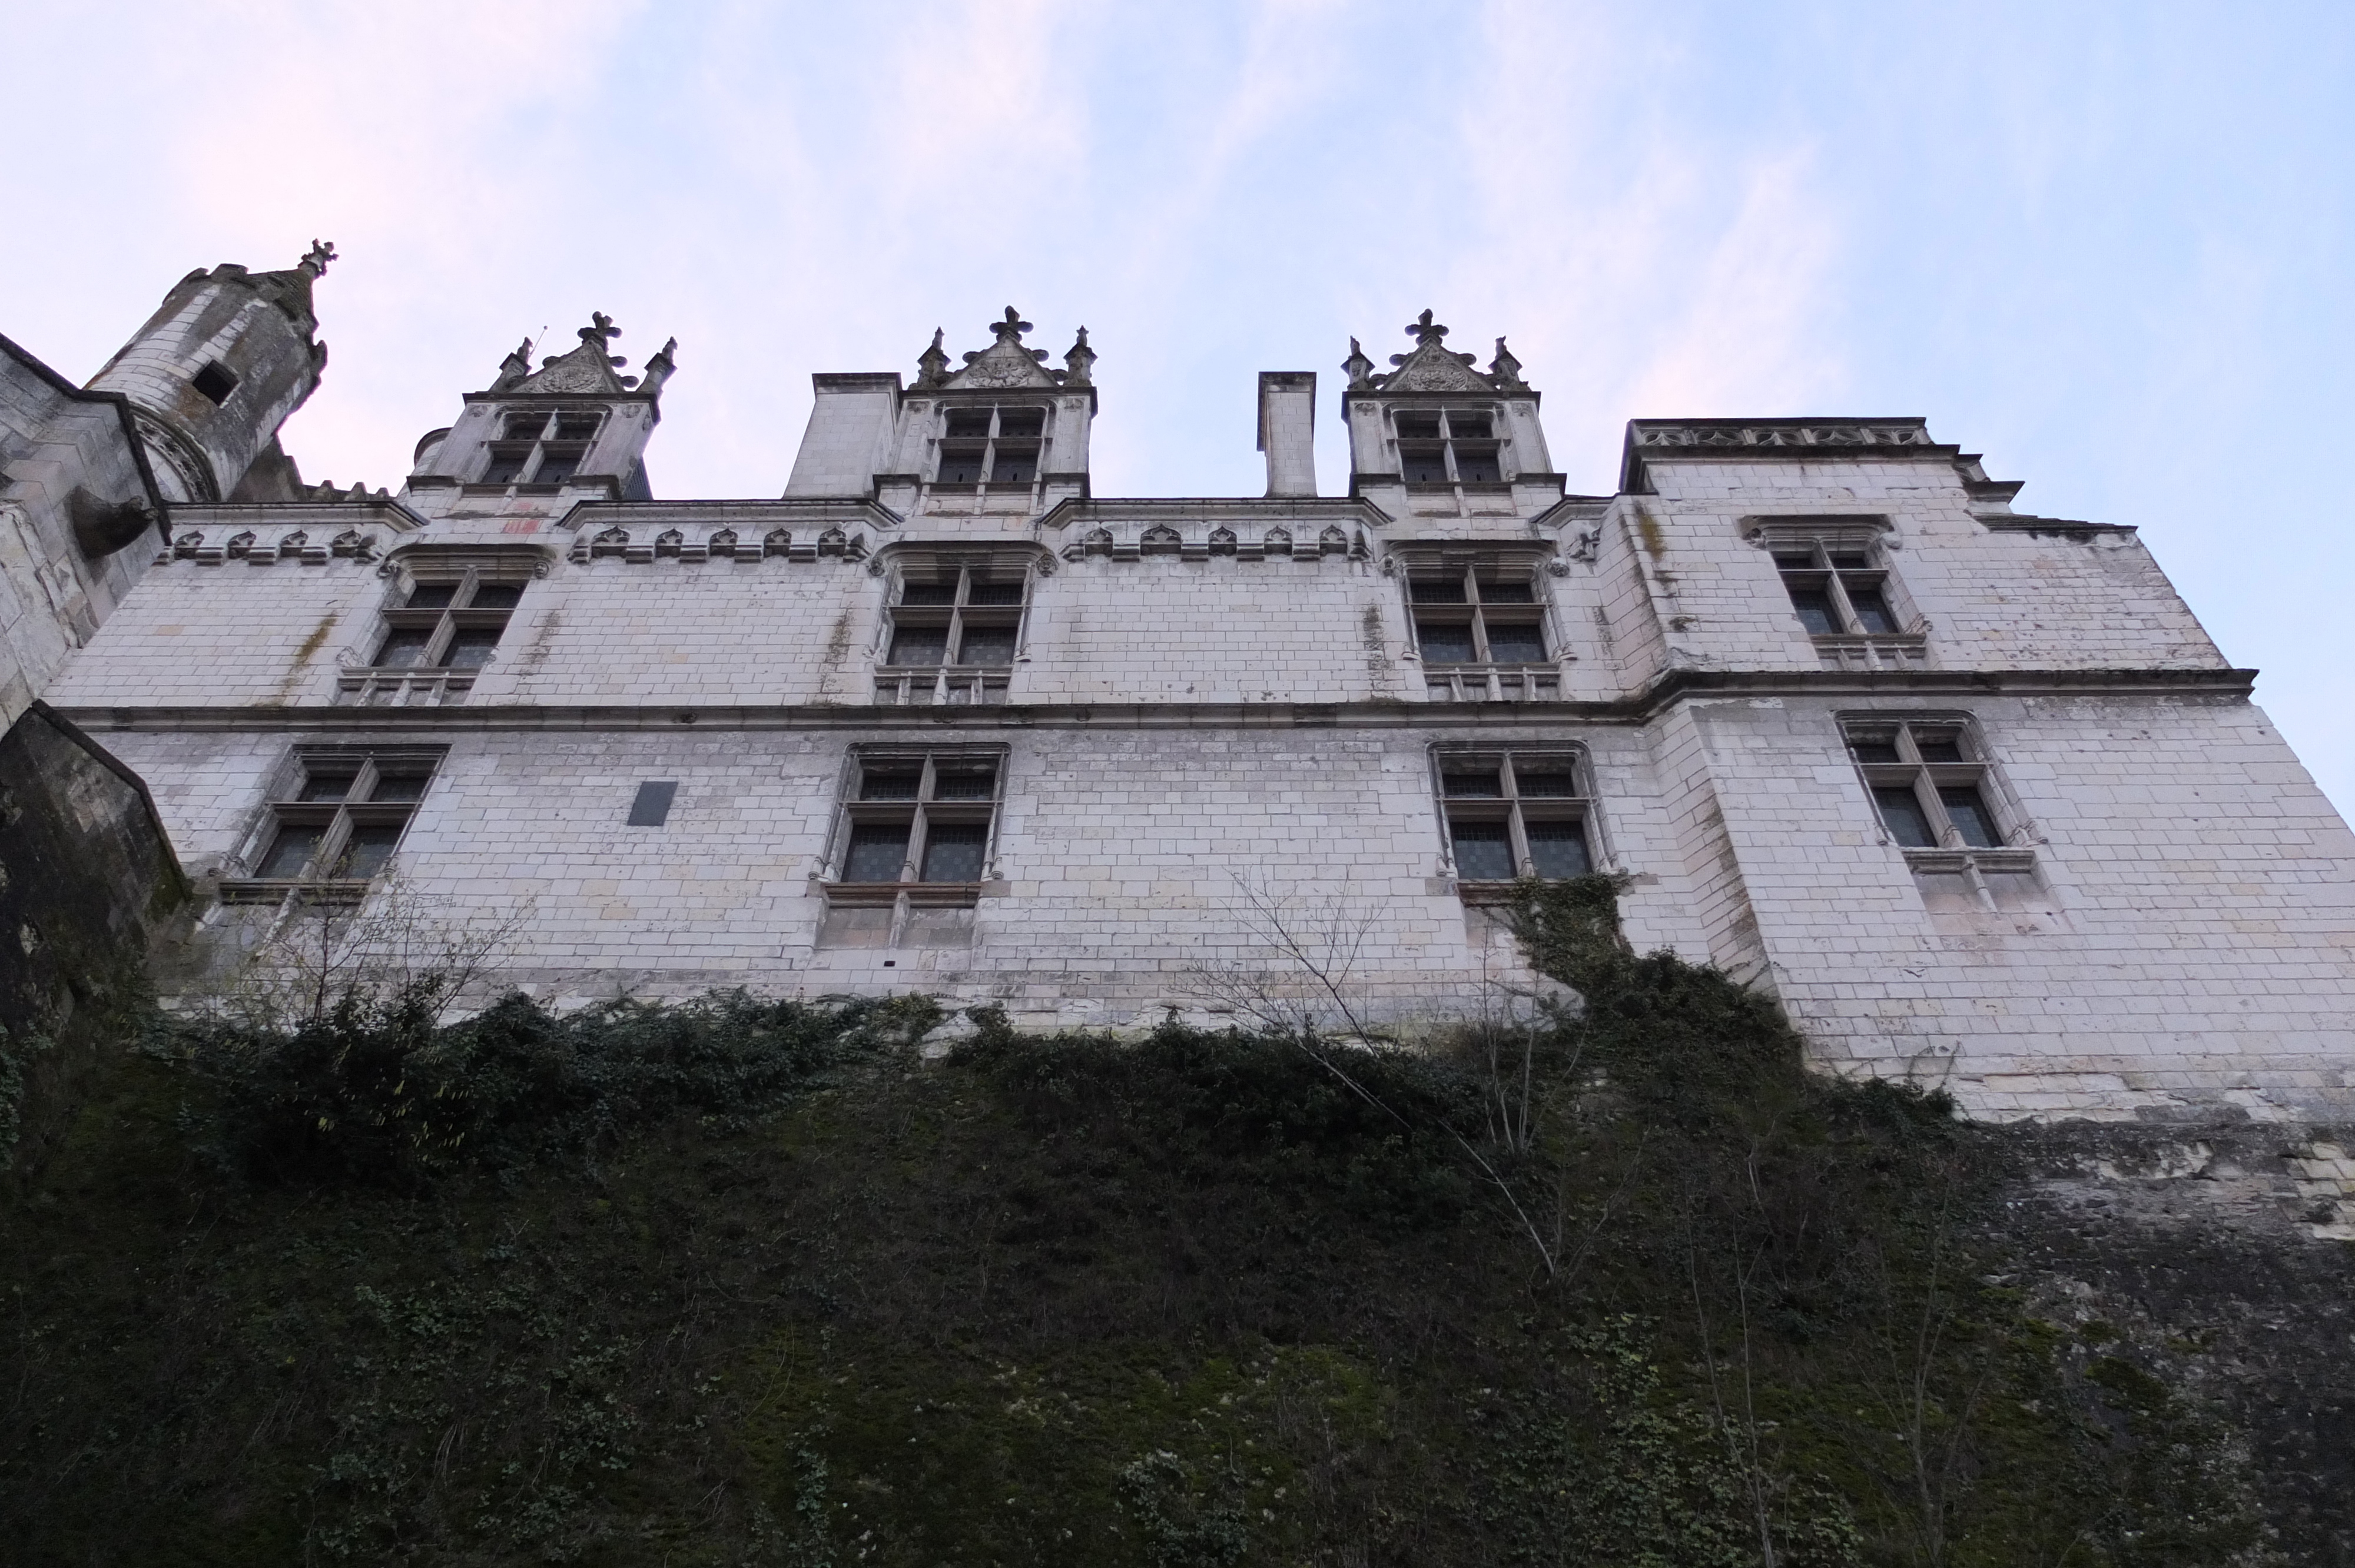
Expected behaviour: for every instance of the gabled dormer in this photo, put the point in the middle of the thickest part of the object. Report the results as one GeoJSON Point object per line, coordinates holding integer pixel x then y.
{"type": "Point", "coordinates": [1004, 437]}
{"type": "Point", "coordinates": [1436, 438]}
{"type": "Point", "coordinates": [538, 441]}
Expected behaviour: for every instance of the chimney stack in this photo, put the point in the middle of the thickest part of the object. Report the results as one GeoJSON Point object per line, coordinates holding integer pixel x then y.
{"type": "Point", "coordinates": [1287, 430]}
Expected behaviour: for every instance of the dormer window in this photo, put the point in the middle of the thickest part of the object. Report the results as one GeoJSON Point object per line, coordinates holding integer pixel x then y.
{"type": "Point", "coordinates": [1447, 445]}
{"type": "Point", "coordinates": [993, 445]}
{"type": "Point", "coordinates": [541, 448]}
{"type": "Point", "coordinates": [953, 634]}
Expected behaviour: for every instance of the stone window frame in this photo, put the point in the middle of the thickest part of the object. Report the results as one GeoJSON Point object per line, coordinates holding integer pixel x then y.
{"type": "Point", "coordinates": [1483, 679]}
{"type": "Point", "coordinates": [467, 616]}
{"type": "Point", "coordinates": [1451, 762]}
{"type": "Point", "coordinates": [1930, 756]}
{"type": "Point", "coordinates": [1482, 454]}
{"type": "Point", "coordinates": [951, 681]}
{"type": "Point", "coordinates": [989, 451]}
{"type": "Point", "coordinates": [1829, 541]}
{"type": "Point", "coordinates": [527, 458]}
{"type": "Point", "coordinates": [865, 801]}
{"type": "Point", "coordinates": [341, 793]}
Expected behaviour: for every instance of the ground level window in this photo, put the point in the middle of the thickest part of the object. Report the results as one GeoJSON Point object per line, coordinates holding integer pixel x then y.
{"type": "Point", "coordinates": [1514, 814]}
{"type": "Point", "coordinates": [335, 819]}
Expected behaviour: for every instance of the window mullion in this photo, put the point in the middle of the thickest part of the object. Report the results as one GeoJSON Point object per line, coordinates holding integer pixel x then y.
{"type": "Point", "coordinates": [1838, 591]}
{"type": "Point", "coordinates": [912, 869]}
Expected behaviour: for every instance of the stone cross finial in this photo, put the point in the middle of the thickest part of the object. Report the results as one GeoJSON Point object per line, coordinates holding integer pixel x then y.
{"type": "Point", "coordinates": [1013, 326]}
{"type": "Point", "coordinates": [600, 325]}
{"type": "Point", "coordinates": [1425, 332]}
{"type": "Point", "coordinates": [314, 260]}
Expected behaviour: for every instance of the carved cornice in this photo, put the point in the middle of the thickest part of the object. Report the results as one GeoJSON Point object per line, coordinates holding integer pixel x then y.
{"type": "Point", "coordinates": [1903, 439]}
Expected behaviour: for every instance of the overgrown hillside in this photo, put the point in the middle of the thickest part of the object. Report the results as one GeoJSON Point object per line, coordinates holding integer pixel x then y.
{"type": "Point", "coordinates": [753, 1283]}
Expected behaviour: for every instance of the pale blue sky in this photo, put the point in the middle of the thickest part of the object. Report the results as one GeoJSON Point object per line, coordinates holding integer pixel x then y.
{"type": "Point", "coordinates": [2108, 245]}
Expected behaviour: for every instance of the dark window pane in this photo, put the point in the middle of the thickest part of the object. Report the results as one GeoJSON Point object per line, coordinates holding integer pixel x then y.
{"type": "Point", "coordinates": [325, 786]}
{"type": "Point", "coordinates": [964, 780]}
{"type": "Point", "coordinates": [1484, 852]}
{"type": "Point", "coordinates": [1424, 464]}
{"type": "Point", "coordinates": [403, 647]}
{"type": "Point", "coordinates": [1872, 610]}
{"type": "Point", "coordinates": [961, 465]}
{"type": "Point", "coordinates": [1559, 848]}
{"type": "Point", "coordinates": [928, 593]}
{"type": "Point", "coordinates": [953, 852]}
{"type": "Point", "coordinates": [987, 645]}
{"type": "Point", "coordinates": [1939, 744]}
{"type": "Point", "coordinates": [1482, 783]}
{"type": "Point", "coordinates": [1469, 427]}
{"type": "Point", "coordinates": [1444, 644]}
{"type": "Point", "coordinates": [1873, 748]}
{"type": "Point", "coordinates": [216, 382]}
{"type": "Point", "coordinates": [505, 468]}
{"type": "Point", "coordinates": [524, 426]}
{"type": "Point", "coordinates": [1477, 465]}
{"type": "Point", "coordinates": [1507, 590]}
{"type": "Point", "coordinates": [400, 787]}
{"type": "Point", "coordinates": [576, 427]}
{"type": "Point", "coordinates": [431, 596]}
{"type": "Point", "coordinates": [368, 848]}
{"type": "Point", "coordinates": [1815, 607]}
{"type": "Point", "coordinates": [289, 849]}
{"type": "Point", "coordinates": [1969, 814]}
{"type": "Point", "coordinates": [470, 647]}
{"type": "Point", "coordinates": [919, 645]}
{"type": "Point", "coordinates": [496, 596]}
{"type": "Point", "coordinates": [899, 783]}
{"type": "Point", "coordinates": [876, 853]}
{"type": "Point", "coordinates": [995, 593]}
{"type": "Point", "coordinates": [1516, 643]}
{"type": "Point", "coordinates": [1437, 591]}
{"type": "Point", "coordinates": [1908, 824]}
{"type": "Point", "coordinates": [1850, 563]}
{"type": "Point", "coordinates": [1537, 785]}
{"type": "Point", "coordinates": [1015, 465]}
{"type": "Point", "coordinates": [651, 809]}
{"type": "Point", "coordinates": [558, 464]}
{"type": "Point", "coordinates": [1030, 422]}
{"type": "Point", "coordinates": [1417, 427]}
{"type": "Point", "coordinates": [1800, 561]}
{"type": "Point", "coordinates": [968, 422]}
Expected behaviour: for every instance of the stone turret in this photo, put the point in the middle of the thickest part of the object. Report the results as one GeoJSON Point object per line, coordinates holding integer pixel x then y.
{"type": "Point", "coordinates": [217, 370]}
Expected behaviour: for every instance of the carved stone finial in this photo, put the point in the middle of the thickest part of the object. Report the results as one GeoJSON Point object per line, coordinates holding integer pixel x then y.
{"type": "Point", "coordinates": [1425, 331]}
{"type": "Point", "coordinates": [314, 260]}
{"type": "Point", "coordinates": [1506, 370]}
{"type": "Point", "coordinates": [514, 367]}
{"type": "Point", "coordinates": [600, 325]}
{"type": "Point", "coordinates": [659, 368]}
{"type": "Point", "coordinates": [932, 365]}
{"type": "Point", "coordinates": [1080, 363]}
{"type": "Point", "coordinates": [1360, 368]}
{"type": "Point", "coordinates": [1013, 326]}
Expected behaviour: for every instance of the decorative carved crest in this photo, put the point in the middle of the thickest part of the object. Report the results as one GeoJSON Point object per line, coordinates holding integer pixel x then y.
{"type": "Point", "coordinates": [1432, 366]}
{"type": "Point", "coordinates": [1006, 363]}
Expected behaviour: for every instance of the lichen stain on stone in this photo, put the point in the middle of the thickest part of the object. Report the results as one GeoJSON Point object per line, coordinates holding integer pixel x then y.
{"type": "Point", "coordinates": [311, 645]}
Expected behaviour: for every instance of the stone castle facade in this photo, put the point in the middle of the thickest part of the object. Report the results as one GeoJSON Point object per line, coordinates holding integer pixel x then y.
{"type": "Point", "coordinates": [1968, 790]}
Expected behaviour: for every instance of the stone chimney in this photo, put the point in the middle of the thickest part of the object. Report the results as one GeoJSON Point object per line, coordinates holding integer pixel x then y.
{"type": "Point", "coordinates": [1287, 430]}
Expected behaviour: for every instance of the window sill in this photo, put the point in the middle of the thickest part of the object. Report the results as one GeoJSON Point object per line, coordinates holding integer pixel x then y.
{"type": "Point", "coordinates": [400, 686]}
{"type": "Point", "coordinates": [920, 895]}
{"type": "Point", "coordinates": [1491, 682]}
{"type": "Point", "coordinates": [1873, 651]}
{"type": "Point", "coordinates": [1955, 860]}
{"type": "Point", "coordinates": [266, 890]}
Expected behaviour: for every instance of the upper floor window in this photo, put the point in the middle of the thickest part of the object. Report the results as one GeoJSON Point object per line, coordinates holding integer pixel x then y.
{"type": "Point", "coordinates": [993, 445]}
{"type": "Point", "coordinates": [1448, 446]}
{"type": "Point", "coordinates": [452, 623]}
{"type": "Point", "coordinates": [953, 632]}
{"type": "Point", "coordinates": [1477, 616]}
{"type": "Point", "coordinates": [1514, 814]}
{"type": "Point", "coordinates": [1929, 783]}
{"type": "Point", "coordinates": [1838, 590]}
{"type": "Point", "coordinates": [918, 816]}
{"type": "Point", "coordinates": [541, 448]}
{"type": "Point", "coordinates": [337, 815]}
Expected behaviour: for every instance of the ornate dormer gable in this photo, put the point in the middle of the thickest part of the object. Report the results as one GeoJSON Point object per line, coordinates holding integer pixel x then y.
{"type": "Point", "coordinates": [1006, 363]}
{"type": "Point", "coordinates": [540, 440]}
{"type": "Point", "coordinates": [1437, 437]}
